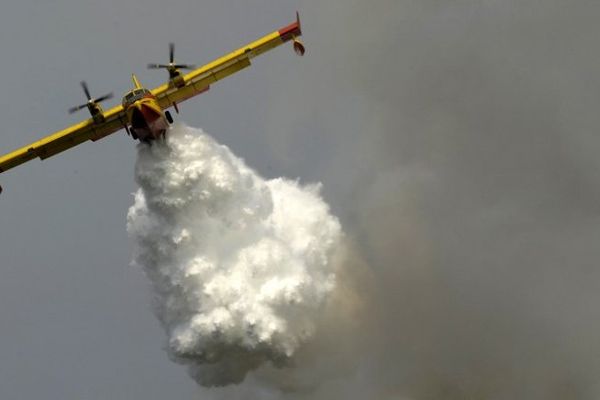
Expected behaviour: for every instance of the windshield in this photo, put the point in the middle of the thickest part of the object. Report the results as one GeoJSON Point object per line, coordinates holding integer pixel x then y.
{"type": "Point", "coordinates": [134, 96]}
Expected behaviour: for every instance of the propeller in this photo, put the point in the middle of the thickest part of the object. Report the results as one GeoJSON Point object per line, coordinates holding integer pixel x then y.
{"type": "Point", "coordinates": [171, 66]}
{"type": "Point", "coordinates": [90, 101]}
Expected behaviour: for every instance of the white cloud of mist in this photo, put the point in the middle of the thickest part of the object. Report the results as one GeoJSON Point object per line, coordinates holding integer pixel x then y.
{"type": "Point", "coordinates": [240, 266]}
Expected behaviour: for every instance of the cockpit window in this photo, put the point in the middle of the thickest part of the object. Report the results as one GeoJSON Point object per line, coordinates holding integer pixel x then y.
{"type": "Point", "coordinates": [134, 96]}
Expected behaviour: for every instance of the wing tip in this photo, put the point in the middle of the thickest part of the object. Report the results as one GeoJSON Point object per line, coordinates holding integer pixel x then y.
{"type": "Point", "coordinates": [292, 30]}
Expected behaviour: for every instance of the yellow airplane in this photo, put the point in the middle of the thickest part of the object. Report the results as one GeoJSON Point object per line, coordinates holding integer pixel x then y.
{"type": "Point", "coordinates": [142, 112]}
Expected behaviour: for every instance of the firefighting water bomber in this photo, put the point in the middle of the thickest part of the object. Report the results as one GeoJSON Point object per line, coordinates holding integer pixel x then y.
{"type": "Point", "coordinates": [143, 113]}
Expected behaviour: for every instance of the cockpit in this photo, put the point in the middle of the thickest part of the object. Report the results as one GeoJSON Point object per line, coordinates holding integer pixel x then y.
{"type": "Point", "coordinates": [134, 96]}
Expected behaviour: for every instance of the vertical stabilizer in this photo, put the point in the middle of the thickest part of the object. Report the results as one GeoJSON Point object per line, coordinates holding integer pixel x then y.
{"type": "Point", "coordinates": [136, 82]}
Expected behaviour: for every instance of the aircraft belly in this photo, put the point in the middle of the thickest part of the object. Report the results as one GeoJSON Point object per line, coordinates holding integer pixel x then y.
{"type": "Point", "coordinates": [149, 113]}
{"type": "Point", "coordinates": [155, 124]}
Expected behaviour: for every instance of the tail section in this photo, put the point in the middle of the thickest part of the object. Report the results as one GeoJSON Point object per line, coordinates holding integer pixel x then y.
{"type": "Point", "coordinates": [136, 82]}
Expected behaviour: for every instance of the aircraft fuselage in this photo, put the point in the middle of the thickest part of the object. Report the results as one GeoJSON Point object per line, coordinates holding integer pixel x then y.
{"type": "Point", "coordinates": [147, 121]}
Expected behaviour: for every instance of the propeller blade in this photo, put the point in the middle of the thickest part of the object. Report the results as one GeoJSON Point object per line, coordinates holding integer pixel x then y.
{"type": "Point", "coordinates": [86, 90]}
{"type": "Point", "coordinates": [157, 66]}
{"type": "Point", "coordinates": [105, 97]}
{"type": "Point", "coordinates": [171, 52]}
{"type": "Point", "coordinates": [76, 108]}
{"type": "Point", "coordinates": [184, 66]}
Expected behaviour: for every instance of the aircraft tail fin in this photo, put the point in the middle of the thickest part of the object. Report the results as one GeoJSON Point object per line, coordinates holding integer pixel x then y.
{"type": "Point", "coordinates": [136, 82]}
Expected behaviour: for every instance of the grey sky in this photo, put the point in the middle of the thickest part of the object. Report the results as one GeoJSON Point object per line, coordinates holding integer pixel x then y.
{"type": "Point", "coordinates": [456, 140]}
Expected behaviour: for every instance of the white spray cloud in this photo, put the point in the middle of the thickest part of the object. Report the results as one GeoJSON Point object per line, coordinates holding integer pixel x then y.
{"type": "Point", "coordinates": [240, 266]}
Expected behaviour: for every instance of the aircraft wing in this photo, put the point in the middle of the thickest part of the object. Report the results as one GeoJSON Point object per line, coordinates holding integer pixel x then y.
{"type": "Point", "coordinates": [195, 82]}
{"type": "Point", "coordinates": [60, 141]}
{"type": "Point", "coordinates": [200, 79]}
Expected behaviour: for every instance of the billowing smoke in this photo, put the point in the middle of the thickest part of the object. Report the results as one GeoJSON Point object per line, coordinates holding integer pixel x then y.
{"type": "Point", "coordinates": [240, 266]}
{"type": "Point", "coordinates": [459, 145]}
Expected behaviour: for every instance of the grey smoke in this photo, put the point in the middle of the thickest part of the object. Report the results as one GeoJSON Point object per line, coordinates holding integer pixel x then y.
{"type": "Point", "coordinates": [461, 140]}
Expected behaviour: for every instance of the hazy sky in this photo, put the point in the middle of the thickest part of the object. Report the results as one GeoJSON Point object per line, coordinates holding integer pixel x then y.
{"type": "Point", "coordinates": [457, 141]}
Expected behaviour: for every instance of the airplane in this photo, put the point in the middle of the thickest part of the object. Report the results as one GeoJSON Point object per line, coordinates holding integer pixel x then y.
{"type": "Point", "coordinates": [143, 113]}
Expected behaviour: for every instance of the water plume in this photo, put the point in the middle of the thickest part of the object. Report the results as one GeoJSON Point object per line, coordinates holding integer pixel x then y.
{"type": "Point", "coordinates": [240, 266]}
